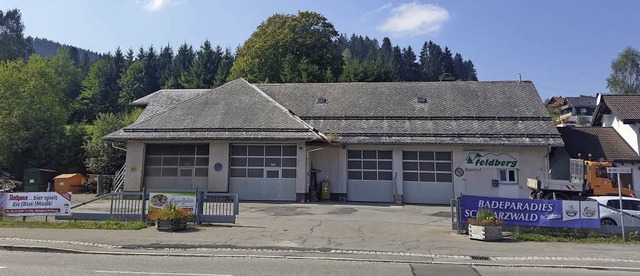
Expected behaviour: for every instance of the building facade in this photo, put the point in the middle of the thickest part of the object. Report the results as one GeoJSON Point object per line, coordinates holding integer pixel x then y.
{"type": "Point", "coordinates": [365, 142]}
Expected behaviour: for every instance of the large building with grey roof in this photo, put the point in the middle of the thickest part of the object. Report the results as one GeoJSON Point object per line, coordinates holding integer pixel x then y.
{"type": "Point", "coordinates": [371, 142]}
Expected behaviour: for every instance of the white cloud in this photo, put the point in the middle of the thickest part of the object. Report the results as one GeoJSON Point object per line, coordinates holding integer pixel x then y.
{"type": "Point", "coordinates": [155, 5]}
{"type": "Point", "coordinates": [415, 19]}
{"type": "Point", "coordinates": [373, 12]}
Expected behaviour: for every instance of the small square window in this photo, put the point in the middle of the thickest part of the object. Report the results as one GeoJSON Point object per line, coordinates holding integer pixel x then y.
{"type": "Point", "coordinates": [354, 154]}
{"type": "Point", "coordinates": [238, 150]}
{"type": "Point", "coordinates": [508, 176]}
{"type": "Point", "coordinates": [273, 174]}
{"type": "Point", "coordinates": [288, 173]}
{"type": "Point", "coordinates": [409, 155]}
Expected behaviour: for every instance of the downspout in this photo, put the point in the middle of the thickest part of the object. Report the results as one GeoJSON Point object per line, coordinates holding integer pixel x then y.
{"type": "Point", "coordinates": [547, 164]}
{"type": "Point", "coordinates": [113, 144]}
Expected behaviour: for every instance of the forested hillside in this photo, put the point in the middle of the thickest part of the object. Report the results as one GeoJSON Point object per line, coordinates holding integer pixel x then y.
{"type": "Point", "coordinates": [46, 48]}
{"type": "Point", "coordinates": [56, 107]}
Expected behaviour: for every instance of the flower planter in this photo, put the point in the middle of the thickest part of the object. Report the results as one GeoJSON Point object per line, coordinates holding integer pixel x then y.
{"type": "Point", "coordinates": [485, 233]}
{"type": "Point", "coordinates": [171, 225]}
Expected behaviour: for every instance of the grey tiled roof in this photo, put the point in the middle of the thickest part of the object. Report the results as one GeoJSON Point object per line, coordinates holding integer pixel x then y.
{"type": "Point", "coordinates": [500, 112]}
{"type": "Point", "coordinates": [627, 107]}
{"type": "Point", "coordinates": [494, 112]}
{"type": "Point", "coordinates": [600, 142]}
{"type": "Point", "coordinates": [161, 100]}
{"type": "Point", "coordinates": [234, 110]}
{"type": "Point", "coordinates": [444, 99]}
{"type": "Point", "coordinates": [582, 101]}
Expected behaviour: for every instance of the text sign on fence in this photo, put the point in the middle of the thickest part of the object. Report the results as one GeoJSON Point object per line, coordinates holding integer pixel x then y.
{"type": "Point", "coordinates": [186, 201]}
{"type": "Point", "coordinates": [35, 204]}
{"type": "Point", "coordinates": [535, 212]}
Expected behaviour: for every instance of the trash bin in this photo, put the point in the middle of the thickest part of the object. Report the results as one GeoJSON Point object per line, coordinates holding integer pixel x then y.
{"type": "Point", "coordinates": [326, 192]}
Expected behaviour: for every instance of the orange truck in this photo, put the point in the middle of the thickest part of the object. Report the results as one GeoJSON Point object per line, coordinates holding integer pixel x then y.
{"type": "Point", "coordinates": [588, 178]}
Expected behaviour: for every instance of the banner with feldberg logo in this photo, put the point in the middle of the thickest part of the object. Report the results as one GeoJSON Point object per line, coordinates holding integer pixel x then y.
{"type": "Point", "coordinates": [186, 201]}
{"type": "Point", "coordinates": [491, 160]}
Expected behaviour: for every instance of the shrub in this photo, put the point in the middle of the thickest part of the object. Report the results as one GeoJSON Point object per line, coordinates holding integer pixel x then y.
{"type": "Point", "coordinates": [170, 212]}
{"type": "Point", "coordinates": [485, 217]}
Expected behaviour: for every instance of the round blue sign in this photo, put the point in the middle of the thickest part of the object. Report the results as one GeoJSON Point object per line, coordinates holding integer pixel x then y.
{"type": "Point", "coordinates": [217, 167]}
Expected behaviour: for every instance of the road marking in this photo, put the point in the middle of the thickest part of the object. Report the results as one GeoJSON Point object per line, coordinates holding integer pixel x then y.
{"type": "Point", "coordinates": [158, 273]}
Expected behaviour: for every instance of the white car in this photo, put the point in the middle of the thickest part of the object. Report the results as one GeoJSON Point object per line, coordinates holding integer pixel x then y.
{"type": "Point", "coordinates": [611, 215]}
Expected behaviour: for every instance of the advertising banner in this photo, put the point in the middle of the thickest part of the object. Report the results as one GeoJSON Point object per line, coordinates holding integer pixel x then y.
{"type": "Point", "coordinates": [186, 201]}
{"type": "Point", "coordinates": [535, 212]}
{"type": "Point", "coordinates": [35, 204]}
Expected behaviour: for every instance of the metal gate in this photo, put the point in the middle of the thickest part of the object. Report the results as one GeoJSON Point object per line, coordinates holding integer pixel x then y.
{"type": "Point", "coordinates": [210, 207]}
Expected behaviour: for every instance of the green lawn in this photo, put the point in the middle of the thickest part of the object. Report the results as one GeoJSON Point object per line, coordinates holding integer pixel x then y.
{"type": "Point", "coordinates": [104, 225]}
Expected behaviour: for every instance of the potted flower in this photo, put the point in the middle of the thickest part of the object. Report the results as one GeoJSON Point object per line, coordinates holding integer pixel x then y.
{"type": "Point", "coordinates": [485, 226]}
{"type": "Point", "coordinates": [170, 218]}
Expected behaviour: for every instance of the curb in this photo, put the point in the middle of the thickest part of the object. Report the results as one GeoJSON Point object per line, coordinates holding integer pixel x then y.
{"type": "Point", "coordinates": [47, 249]}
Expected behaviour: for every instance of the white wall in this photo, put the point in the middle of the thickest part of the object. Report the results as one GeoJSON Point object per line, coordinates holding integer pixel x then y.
{"type": "Point", "coordinates": [328, 161]}
{"type": "Point", "coordinates": [630, 133]}
{"type": "Point", "coordinates": [475, 181]}
{"type": "Point", "coordinates": [134, 166]}
{"type": "Point", "coordinates": [478, 181]}
{"type": "Point", "coordinates": [218, 153]}
{"type": "Point", "coordinates": [302, 176]}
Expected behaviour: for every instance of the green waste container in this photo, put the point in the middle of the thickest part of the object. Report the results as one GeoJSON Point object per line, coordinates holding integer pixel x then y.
{"type": "Point", "coordinates": [326, 192]}
{"type": "Point", "coordinates": [38, 180]}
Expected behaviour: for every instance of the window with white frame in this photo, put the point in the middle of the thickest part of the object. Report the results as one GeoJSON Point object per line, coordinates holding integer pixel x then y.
{"type": "Point", "coordinates": [263, 161]}
{"type": "Point", "coordinates": [508, 175]}
{"type": "Point", "coordinates": [369, 165]}
{"type": "Point", "coordinates": [426, 166]}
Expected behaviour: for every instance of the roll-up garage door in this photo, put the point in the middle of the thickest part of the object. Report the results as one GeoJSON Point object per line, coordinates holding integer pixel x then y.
{"type": "Point", "coordinates": [427, 177]}
{"type": "Point", "coordinates": [369, 174]}
{"type": "Point", "coordinates": [171, 167]}
{"type": "Point", "coordinates": [263, 172]}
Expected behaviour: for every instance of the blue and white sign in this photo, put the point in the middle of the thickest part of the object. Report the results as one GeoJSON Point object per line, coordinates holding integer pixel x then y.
{"type": "Point", "coordinates": [535, 212]}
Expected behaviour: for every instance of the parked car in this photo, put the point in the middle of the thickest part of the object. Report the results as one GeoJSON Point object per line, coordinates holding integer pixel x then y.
{"type": "Point", "coordinates": [611, 216]}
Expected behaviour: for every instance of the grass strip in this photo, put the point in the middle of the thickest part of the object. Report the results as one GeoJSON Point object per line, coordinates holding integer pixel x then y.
{"type": "Point", "coordinates": [102, 225]}
{"type": "Point", "coordinates": [574, 236]}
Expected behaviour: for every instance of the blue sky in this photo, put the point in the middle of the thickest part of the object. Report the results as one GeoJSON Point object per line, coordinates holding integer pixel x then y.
{"type": "Point", "coordinates": [564, 47]}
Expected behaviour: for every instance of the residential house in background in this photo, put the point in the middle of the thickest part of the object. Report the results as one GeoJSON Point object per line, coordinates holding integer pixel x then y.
{"type": "Point", "coordinates": [555, 104]}
{"type": "Point", "coordinates": [415, 142]}
{"type": "Point", "coordinates": [577, 111]}
{"type": "Point", "coordinates": [614, 135]}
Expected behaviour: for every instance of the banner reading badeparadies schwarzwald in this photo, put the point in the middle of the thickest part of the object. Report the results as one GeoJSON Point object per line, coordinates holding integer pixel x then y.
{"type": "Point", "coordinates": [535, 212]}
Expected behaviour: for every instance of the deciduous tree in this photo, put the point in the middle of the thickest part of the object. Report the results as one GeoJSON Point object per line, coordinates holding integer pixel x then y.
{"type": "Point", "coordinates": [625, 73]}
{"type": "Point", "coordinates": [308, 37]}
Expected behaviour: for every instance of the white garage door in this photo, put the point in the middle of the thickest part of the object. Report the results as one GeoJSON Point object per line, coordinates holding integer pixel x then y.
{"type": "Point", "coordinates": [171, 167]}
{"type": "Point", "coordinates": [263, 172]}
{"type": "Point", "coordinates": [369, 174]}
{"type": "Point", "coordinates": [427, 177]}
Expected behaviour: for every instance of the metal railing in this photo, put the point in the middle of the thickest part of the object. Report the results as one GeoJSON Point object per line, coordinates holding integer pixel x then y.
{"type": "Point", "coordinates": [118, 180]}
{"type": "Point", "coordinates": [215, 207]}
{"type": "Point", "coordinates": [210, 207]}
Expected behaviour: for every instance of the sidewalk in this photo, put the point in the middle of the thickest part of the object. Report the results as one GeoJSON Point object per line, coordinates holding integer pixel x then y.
{"type": "Point", "coordinates": [394, 233]}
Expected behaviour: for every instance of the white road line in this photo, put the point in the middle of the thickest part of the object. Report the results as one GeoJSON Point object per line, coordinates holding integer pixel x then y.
{"type": "Point", "coordinates": [1, 267]}
{"type": "Point", "coordinates": [158, 273]}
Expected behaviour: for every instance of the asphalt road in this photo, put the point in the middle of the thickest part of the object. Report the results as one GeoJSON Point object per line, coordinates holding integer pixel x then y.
{"type": "Point", "coordinates": [34, 263]}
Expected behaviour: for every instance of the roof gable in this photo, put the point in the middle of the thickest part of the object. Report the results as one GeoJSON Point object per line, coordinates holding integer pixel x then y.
{"type": "Point", "coordinates": [234, 110]}
{"type": "Point", "coordinates": [164, 99]}
{"type": "Point", "coordinates": [626, 107]}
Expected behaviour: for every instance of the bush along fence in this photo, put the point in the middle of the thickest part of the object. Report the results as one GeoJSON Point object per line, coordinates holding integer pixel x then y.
{"type": "Point", "coordinates": [206, 207]}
